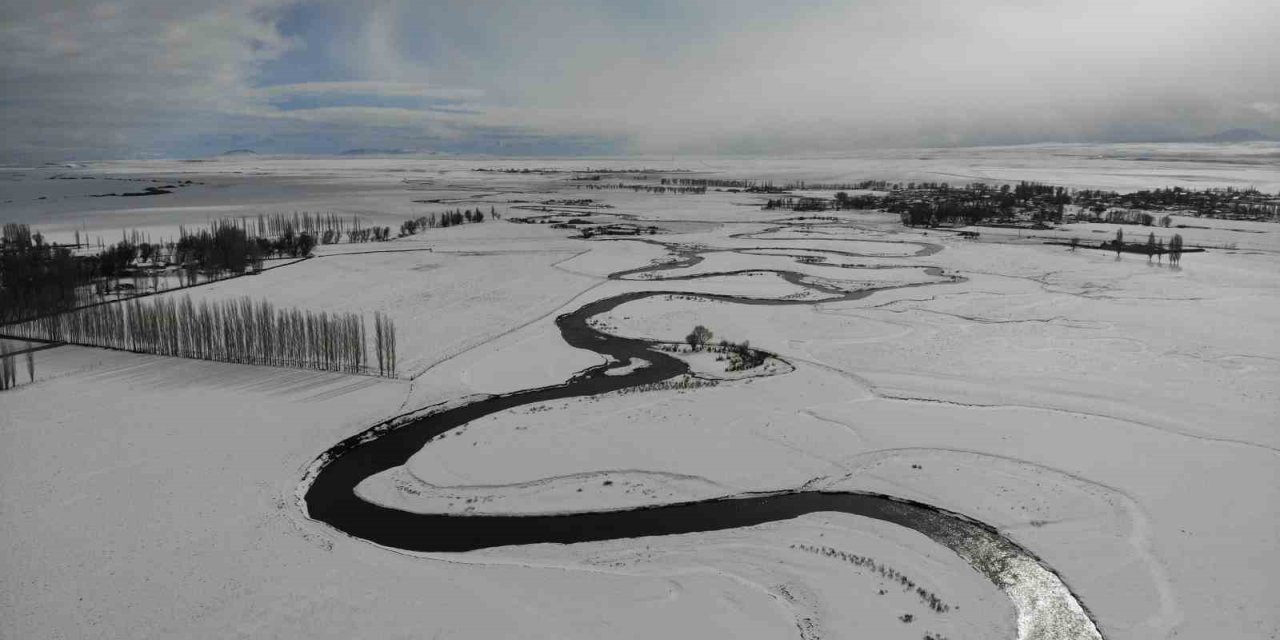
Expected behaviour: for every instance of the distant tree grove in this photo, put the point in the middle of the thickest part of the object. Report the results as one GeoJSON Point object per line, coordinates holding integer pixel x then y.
{"type": "Point", "coordinates": [241, 331]}
{"type": "Point", "coordinates": [451, 218]}
{"type": "Point", "coordinates": [1153, 247]}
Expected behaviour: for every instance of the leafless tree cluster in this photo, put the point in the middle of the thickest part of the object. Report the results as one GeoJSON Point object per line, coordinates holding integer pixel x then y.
{"type": "Point", "coordinates": [384, 344]}
{"type": "Point", "coordinates": [450, 218]}
{"type": "Point", "coordinates": [316, 224]}
{"type": "Point", "coordinates": [9, 368]}
{"type": "Point", "coordinates": [7, 377]}
{"type": "Point", "coordinates": [242, 331]}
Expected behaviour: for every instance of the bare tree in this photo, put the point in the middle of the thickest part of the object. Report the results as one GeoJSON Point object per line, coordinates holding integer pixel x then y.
{"type": "Point", "coordinates": [389, 337]}
{"type": "Point", "coordinates": [1175, 249]}
{"type": "Point", "coordinates": [699, 337]}
{"type": "Point", "coordinates": [378, 342]}
{"type": "Point", "coordinates": [6, 367]}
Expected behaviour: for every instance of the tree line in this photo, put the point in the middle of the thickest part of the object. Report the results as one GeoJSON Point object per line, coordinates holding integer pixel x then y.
{"type": "Point", "coordinates": [242, 331]}
{"type": "Point", "coordinates": [1122, 216]}
{"type": "Point", "coordinates": [959, 209]}
{"type": "Point", "coordinates": [647, 188]}
{"type": "Point", "coordinates": [1229, 202]}
{"type": "Point", "coordinates": [38, 278]}
{"type": "Point", "coordinates": [1153, 247]}
{"type": "Point", "coordinates": [713, 182]}
{"type": "Point", "coordinates": [325, 228]}
{"type": "Point", "coordinates": [315, 224]}
{"type": "Point", "coordinates": [451, 218]}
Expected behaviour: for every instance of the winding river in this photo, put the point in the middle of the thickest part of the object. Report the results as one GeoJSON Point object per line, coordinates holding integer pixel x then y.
{"type": "Point", "coordinates": [1046, 608]}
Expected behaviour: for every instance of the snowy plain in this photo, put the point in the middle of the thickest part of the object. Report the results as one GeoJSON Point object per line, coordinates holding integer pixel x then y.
{"type": "Point", "coordinates": [1115, 417]}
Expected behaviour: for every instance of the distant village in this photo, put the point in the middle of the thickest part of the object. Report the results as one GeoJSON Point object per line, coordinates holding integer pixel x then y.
{"type": "Point", "coordinates": [1034, 205]}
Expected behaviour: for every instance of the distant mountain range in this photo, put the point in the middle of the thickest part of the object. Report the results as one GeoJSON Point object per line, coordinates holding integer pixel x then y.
{"type": "Point", "coordinates": [349, 152]}
{"type": "Point", "coordinates": [1238, 135]}
{"type": "Point", "coordinates": [376, 152]}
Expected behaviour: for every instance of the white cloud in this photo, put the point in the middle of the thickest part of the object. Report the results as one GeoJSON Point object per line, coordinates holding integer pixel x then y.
{"type": "Point", "coordinates": [665, 75]}
{"type": "Point", "coordinates": [810, 76]}
{"type": "Point", "coordinates": [1268, 109]}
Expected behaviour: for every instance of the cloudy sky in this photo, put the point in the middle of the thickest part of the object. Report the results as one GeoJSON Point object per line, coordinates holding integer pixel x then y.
{"type": "Point", "coordinates": [179, 78]}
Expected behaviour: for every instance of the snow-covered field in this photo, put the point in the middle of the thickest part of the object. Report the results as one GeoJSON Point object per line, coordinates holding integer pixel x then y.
{"type": "Point", "coordinates": [1117, 418]}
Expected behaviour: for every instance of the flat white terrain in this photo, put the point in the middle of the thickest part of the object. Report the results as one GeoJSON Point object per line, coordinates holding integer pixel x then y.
{"type": "Point", "coordinates": [1114, 417]}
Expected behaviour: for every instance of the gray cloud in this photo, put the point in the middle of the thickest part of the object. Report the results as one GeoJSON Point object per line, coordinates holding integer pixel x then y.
{"type": "Point", "coordinates": [390, 89]}
{"type": "Point", "coordinates": [663, 76]}
{"type": "Point", "coordinates": [93, 78]}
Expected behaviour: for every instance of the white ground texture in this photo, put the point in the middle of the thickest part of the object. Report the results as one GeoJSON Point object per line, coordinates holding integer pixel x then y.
{"type": "Point", "coordinates": [1116, 418]}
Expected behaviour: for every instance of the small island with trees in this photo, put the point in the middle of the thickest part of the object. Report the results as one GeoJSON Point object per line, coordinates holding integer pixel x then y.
{"type": "Point", "coordinates": [724, 359]}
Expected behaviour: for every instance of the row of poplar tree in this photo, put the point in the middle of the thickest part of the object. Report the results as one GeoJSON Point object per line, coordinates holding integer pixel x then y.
{"type": "Point", "coordinates": [243, 331]}
{"type": "Point", "coordinates": [9, 367]}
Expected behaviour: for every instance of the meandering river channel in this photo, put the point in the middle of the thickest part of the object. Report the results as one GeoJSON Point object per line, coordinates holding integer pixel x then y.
{"type": "Point", "coordinates": [1047, 610]}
